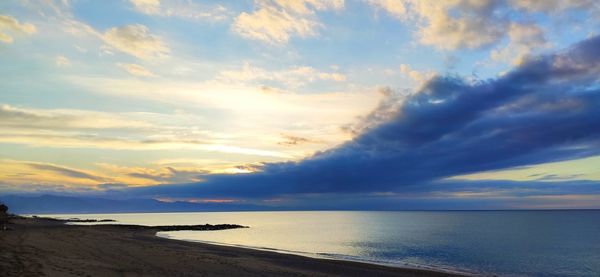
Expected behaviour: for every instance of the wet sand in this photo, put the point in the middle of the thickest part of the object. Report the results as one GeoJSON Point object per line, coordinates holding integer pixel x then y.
{"type": "Point", "coordinates": [41, 247]}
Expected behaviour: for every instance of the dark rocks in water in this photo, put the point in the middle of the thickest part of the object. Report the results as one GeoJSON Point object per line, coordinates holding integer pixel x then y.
{"type": "Point", "coordinates": [88, 220]}
{"type": "Point", "coordinates": [77, 220]}
{"type": "Point", "coordinates": [205, 227]}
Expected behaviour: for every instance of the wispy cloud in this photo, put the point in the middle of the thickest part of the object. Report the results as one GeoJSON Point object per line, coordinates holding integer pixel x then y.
{"type": "Point", "coordinates": [10, 26]}
{"type": "Point", "coordinates": [57, 119]}
{"type": "Point", "coordinates": [276, 21]}
{"type": "Point", "coordinates": [136, 40]}
{"type": "Point", "coordinates": [136, 70]}
{"type": "Point", "coordinates": [62, 61]}
{"type": "Point", "coordinates": [292, 140]}
{"type": "Point", "coordinates": [290, 78]}
{"type": "Point", "coordinates": [69, 172]}
{"type": "Point", "coordinates": [71, 128]}
{"type": "Point", "coordinates": [554, 6]}
{"type": "Point", "coordinates": [147, 6]}
{"type": "Point", "coordinates": [181, 9]}
{"type": "Point", "coordinates": [50, 177]}
{"type": "Point", "coordinates": [419, 77]}
{"type": "Point", "coordinates": [257, 116]}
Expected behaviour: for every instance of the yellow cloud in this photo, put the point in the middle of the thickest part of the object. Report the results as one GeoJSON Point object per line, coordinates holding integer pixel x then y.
{"type": "Point", "coordinates": [136, 40]}
{"type": "Point", "coordinates": [419, 77]}
{"type": "Point", "coordinates": [36, 173]}
{"type": "Point", "coordinates": [277, 21]}
{"type": "Point", "coordinates": [62, 61]}
{"type": "Point", "coordinates": [136, 70]}
{"type": "Point", "coordinates": [20, 174]}
{"type": "Point", "coordinates": [473, 27]}
{"type": "Point", "coordinates": [448, 24]}
{"type": "Point", "coordinates": [147, 6]}
{"type": "Point", "coordinates": [12, 25]}
{"type": "Point", "coordinates": [129, 131]}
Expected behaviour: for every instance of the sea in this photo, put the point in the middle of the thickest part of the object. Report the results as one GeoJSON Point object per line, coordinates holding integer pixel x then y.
{"type": "Point", "coordinates": [503, 243]}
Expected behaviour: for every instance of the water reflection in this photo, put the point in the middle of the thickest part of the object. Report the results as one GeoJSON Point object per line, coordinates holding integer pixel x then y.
{"type": "Point", "coordinates": [533, 243]}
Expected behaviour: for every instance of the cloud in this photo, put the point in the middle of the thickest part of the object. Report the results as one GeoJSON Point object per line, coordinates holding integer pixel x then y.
{"type": "Point", "coordinates": [418, 77]}
{"type": "Point", "coordinates": [252, 116]}
{"type": "Point", "coordinates": [69, 172]}
{"type": "Point", "coordinates": [126, 142]}
{"type": "Point", "coordinates": [555, 5]}
{"type": "Point", "coordinates": [181, 9]}
{"type": "Point", "coordinates": [393, 7]}
{"type": "Point", "coordinates": [125, 131]}
{"type": "Point", "coordinates": [51, 176]}
{"type": "Point", "coordinates": [40, 119]}
{"type": "Point", "coordinates": [386, 109]}
{"type": "Point", "coordinates": [146, 6]}
{"type": "Point", "coordinates": [9, 24]}
{"type": "Point", "coordinates": [292, 77]}
{"type": "Point", "coordinates": [450, 24]}
{"type": "Point", "coordinates": [305, 6]}
{"type": "Point", "coordinates": [136, 40]}
{"type": "Point", "coordinates": [525, 39]}
{"type": "Point", "coordinates": [291, 140]}
{"type": "Point", "coordinates": [136, 70]}
{"type": "Point", "coordinates": [545, 110]}
{"type": "Point", "coordinates": [62, 61]}
{"type": "Point", "coordinates": [276, 21]}
{"type": "Point", "coordinates": [476, 26]}
{"type": "Point", "coordinates": [274, 26]}
{"type": "Point", "coordinates": [160, 175]}
{"type": "Point", "coordinates": [133, 39]}
{"type": "Point", "coordinates": [463, 24]}
{"type": "Point", "coordinates": [338, 77]}
{"type": "Point", "coordinates": [102, 176]}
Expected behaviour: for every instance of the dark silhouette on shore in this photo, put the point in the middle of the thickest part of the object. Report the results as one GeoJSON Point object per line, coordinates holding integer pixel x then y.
{"type": "Point", "coordinates": [4, 216]}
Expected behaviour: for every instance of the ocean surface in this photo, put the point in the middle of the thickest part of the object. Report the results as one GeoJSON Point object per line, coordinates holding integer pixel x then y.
{"type": "Point", "coordinates": [506, 243]}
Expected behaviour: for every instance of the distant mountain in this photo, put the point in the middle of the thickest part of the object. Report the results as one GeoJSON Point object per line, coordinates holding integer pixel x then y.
{"type": "Point", "coordinates": [51, 204]}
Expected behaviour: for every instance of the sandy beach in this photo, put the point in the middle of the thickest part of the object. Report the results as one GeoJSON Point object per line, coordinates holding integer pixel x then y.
{"type": "Point", "coordinates": [41, 247]}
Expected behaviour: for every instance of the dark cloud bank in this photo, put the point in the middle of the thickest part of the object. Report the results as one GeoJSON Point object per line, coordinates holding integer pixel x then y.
{"type": "Point", "coordinates": [548, 109]}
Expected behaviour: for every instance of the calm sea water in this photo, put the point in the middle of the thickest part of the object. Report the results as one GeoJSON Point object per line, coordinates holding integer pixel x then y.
{"type": "Point", "coordinates": [507, 243]}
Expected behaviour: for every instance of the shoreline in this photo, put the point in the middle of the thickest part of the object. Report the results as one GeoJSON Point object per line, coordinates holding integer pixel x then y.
{"type": "Point", "coordinates": [38, 247]}
{"type": "Point", "coordinates": [334, 257]}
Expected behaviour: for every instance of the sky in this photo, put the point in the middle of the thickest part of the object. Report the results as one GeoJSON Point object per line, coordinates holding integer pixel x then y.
{"type": "Point", "coordinates": [328, 104]}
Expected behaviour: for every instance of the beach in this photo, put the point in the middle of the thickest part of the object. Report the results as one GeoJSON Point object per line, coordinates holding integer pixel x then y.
{"type": "Point", "coordinates": [43, 247]}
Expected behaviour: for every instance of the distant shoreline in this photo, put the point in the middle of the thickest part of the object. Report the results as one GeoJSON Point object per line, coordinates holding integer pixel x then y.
{"type": "Point", "coordinates": [38, 246]}
{"type": "Point", "coordinates": [50, 214]}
